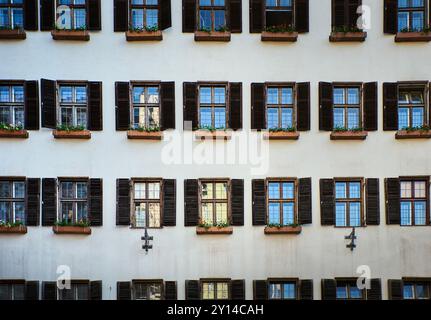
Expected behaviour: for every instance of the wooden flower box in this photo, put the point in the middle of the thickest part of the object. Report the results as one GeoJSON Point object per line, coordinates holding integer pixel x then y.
{"type": "Point", "coordinates": [413, 37]}
{"type": "Point", "coordinates": [71, 230]}
{"type": "Point", "coordinates": [347, 36]}
{"type": "Point", "coordinates": [73, 35]}
{"type": "Point", "coordinates": [223, 36]}
{"type": "Point", "coordinates": [283, 230]}
{"type": "Point", "coordinates": [144, 35]}
{"type": "Point", "coordinates": [281, 135]}
{"type": "Point", "coordinates": [417, 134]}
{"type": "Point", "coordinates": [14, 34]}
{"type": "Point", "coordinates": [64, 134]}
{"type": "Point", "coordinates": [19, 229]}
{"type": "Point", "coordinates": [349, 135]}
{"type": "Point", "coordinates": [212, 135]}
{"type": "Point", "coordinates": [20, 134]}
{"type": "Point", "coordinates": [279, 36]}
{"type": "Point", "coordinates": [143, 135]}
{"type": "Point", "coordinates": [214, 230]}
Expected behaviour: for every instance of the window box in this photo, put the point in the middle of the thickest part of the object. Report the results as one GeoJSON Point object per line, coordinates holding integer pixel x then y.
{"type": "Point", "coordinates": [413, 37]}
{"type": "Point", "coordinates": [279, 36]}
{"type": "Point", "coordinates": [71, 230]}
{"type": "Point", "coordinates": [349, 135]}
{"type": "Point", "coordinates": [347, 36]}
{"type": "Point", "coordinates": [63, 134]}
{"type": "Point", "coordinates": [212, 36]}
{"type": "Point", "coordinates": [144, 35]}
{"type": "Point", "coordinates": [283, 230]}
{"type": "Point", "coordinates": [214, 230]}
{"type": "Point", "coordinates": [416, 134]}
{"type": "Point", "coordinates": [21, 134]}
{"type": "Point", "coordinates": [74, 35]}
{"type": "Point", "coordinates": [13, 34]}
{"type": "Point", "coordinates": [281, 135]}
{"type": "Point", "coordinates": [144, 135]}
{"type": "Point", "coordinates": [18, 229]}
{"type": "Point", "coordinates": [212, 135]}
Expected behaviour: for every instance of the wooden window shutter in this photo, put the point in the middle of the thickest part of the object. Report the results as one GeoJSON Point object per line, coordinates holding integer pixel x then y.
{"type": "Point", "coordinates": [32, 290]}
{"type": "Point", "coordinates": [304, 201]}
{"type": "Point", "coordinates": [193, 290]}
{"type": "Point", "coordinates": [165, 20]}
{"type": "Point", "coordinates": [32, 204]}
{"type": "Point", "coordinates": [235, 105]}
{"type": "Point", "coordinates": [31, 105]}
{"type": "Point", "coordinates": [395, 288]}
{"type": "Point", "coordinates": [49, 201]}
{"type": "Point", "coordinates": [94, 15]}
{"type": "Point", "coordinates": [327, 202]}
{"type": "Point", "coordinates": [167, 93]}
{"type": "Point", "coordinates": [258, 106]}
{"type": "Point", "coordinates": [123, 202]}
{"type": "Point", "coordinates": [190, 96]}
{"type": "Point", "coordinates": [31, 15]}
{"type": "Point", "coordinates": [303, 106]}
{"type": "Point", "coordinates": [237, 290]}
{"type": "Point", "coordinates": [329, 287]}
{"type": "Point", "coordinates": [258, 202]}
{"type": "Point", "coordinates": [235, 16]}
{"type": "Point", "coordinates": [96, 202]}
{"type": "Point", "coordinates": [49, 103]}
{"type": "Point", "coordinates": [392, 190]}
{"type": "Point", "coordinates": [370, 106]}
{"type": "Point", "coordinates": [169, 203]}
{"type": "Point", "coordinates": [237, 202]}
{"type": "Point", "coordinates": [191, 202]}
{"type": "Point", "coordinates": [325, 106]}
{"type": "Point", "coordinates": [122, 106]}
{"type": "Point", "coordinates": [96, 290]}
{"type": "Point", "coordinates": [171, 290]}
{"type": "Point", "coordinates": [338, 13]}
{"type": "Point", "coordinates": [353, 16]}
{"type": "Point", "coordinates": [95, 109]}
{"type": "Point", "coordinates": [189, 15]}
{"type": "Point", "coordinates": [121, 15]}
{"type": "Point", "coordinates": [302, 15]}
{"type": "Point", "coordinates": [306, 290]}
{"type": "Point", "coordinates": [47, 15]}
{"type": "Point", "coordinates": [390, 106]}
{"type": "Point", "coordinates": [372, 202]}
{"type": "Point", "coordinates": [124, 291]}
{"type": "Point", "coordinates": [375, 292]}
{"type": "Point", "coordinates": [49, 290]}
{"type": "Point", "coordinates": [260, 290]}
{"type": "Point", "coordinates": [391, 16]}
{"type": "Point", "coordinates": [257, 8]}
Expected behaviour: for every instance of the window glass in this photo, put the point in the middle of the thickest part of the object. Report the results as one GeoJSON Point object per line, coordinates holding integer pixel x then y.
{"type": "Point", "coordinates": [219, 19]}
{"type": "Point", "coordinates": [140, 215]}
{"type": "Point", "coordinates": [288, 190]}
{"type": "Point", "coordinates": [152, 18]}
{"type": "Point", "coordinates": [207, 190]}
{"type": "Point", "coordinates": [406, 213]}
{"type": "Point", "coordinates": [420, 189]}
{"type": "Point", "coordinates": [19, 212]}
{"type": "Point", "coordinates": [355, 214]}
{"type": "Point", "coordinates": [408, 291]}
{"type": "Point", "coordinates": [341, 292]}
{"type": "Point", "coordinates": [139, 190]}
{"type": "Point", "coordinates": [420, 213]}
{"type": "Point", "coordinates": [219, 95]}
{"type": "Point", "coordinates": [339, 96]}
{"type": "Point", "coordinates": [353, 118]}
{"type": "Point", "coordinates": [154, 190]}
{"type": "Point", "coordinates": [417, 117]}
{"type": "Point", "coordinates": [4, 94]}
{"type": "Point", "coordinates": [355, 293]}
{"type": "Point", "coordinates": [205, 117]}
{"type": "Point", "coordinates": [18, 93]}
{"type": "Point", "coordinates": [272, 118]}
{"type": "Point", "coordinates": [421, 291]}
{"type": "Point", "coordinates": [67, 189]}
{"type": "Point", "coordinates": [339, 118]}
{"type": "Point", "coordinates": [340, 214]}
{"type": "Point", "coordinates": [403, 118]}
{"type": "Point", "coordinates": [205, 19]}
{"type": "Point", "coordinates": [354, 190]}
{"type": "Point", "coordinates": [4, 292]}
{"type": "Point", "coordinates": [272, 96]}
{"type": "Point", "coordinates": [287, 118]}
{"type": "Point", "coordinates": [207, 213]}
{"type": "Point", "coordinates": [289, 291]}
{"type": "Point", "coordinates": [221, 191]}
{"type": "Point", "coordinates": [208, 291]}
{"type": "Point", "coordinates": [222, 290]}
{"type": "Point", "coordinates": [19, 189]}
{"type": "Point", "coordinates": [352, 96]}
{"type": "Point", "coordinates": [340, 190]}
{"type": "Point", "coordinates": [287, 96]}
{"type": "Point", "coordinates": [274, 190]}
{"type": "Point", "coordinates": [274, 213]}
{"type": "Point", "coordinates": [219, 118]}
{"type": "Point", "coordinates": [418, 20]}
{"type": "Point", "coordinates": [154, 215]}
{"type": "Point", "coordinates": [275, 291]}
{"type": "Point", "coordinates": [288, 213]}
{"type": "Point", "coordinates": [5, 190]}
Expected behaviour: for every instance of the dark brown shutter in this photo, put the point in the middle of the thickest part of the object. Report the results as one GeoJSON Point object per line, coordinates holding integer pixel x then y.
{"type": "Point", "coordinates": [95, 109]}
{"type": "Point", "coordinates": [49, 201]}
{"type": "Point", "coordinates": [169, 203]}
{"type": "Point", "coordinates": [370, 106]}
{"type": "Point", "coordinates": [260, 290]}
{"type": "Point", "coordinates": [327, 202]}
{"type": "Point", "coordinates": [235, 16]}
{"type": "Point", "coordinates": [325, 106]}
{"type": "Point", "coordinates": [32, 205]}
{"type": "Point", "coordinates": [304, 201]}
{"type": "Point", "coordinates": [375, 292]}
{"type": "Point", "coordinates": [124, 291]}
{"type": "Point", "coordinates": [329, 287]}
{"type": "Point", "coordinates": [32, 290]}
{"type": "Point", "coordinates": [301, 15]}
{"type": "Point", "coordinates": [390, 106]}
{"type": "Point", "coordinates": [372, 202]}
{"type": "Point", "coordinates": [395, 288]}
{"type": "Point", "coordinates": [237, 290]}
{"type": "Point", "coordinates": [49, 103]}
{"type": "Point", "coordinates": [189, 15]}
{"type": "Point", "coordinates": [258, 106]}
{"type": "Point", "coordinates": [30, 15]}
{"type": "Point", "coordinates": [258, 202]}
{"type": "Point", "coordinates": [96, 202]}
{"type": "Point", "coordinates": [165, 20]}
{"type": "Point", "coordinates": [31, 105]}
{"type": "Point", "coordinates": [47, 15]}
{"type": "Point", "coordinates": [171, 290]}
{"type": "Point", "coordinates": [49, 290]}
{"type": "Point", "coordinates": [256, 16]}
{"type": "Point", "coordinates": [191, 202]}
{"type": "Point", "coordinates": [96, 290]}
{"type": "Point", "coordinates": [353, 16]}
{"type": "Point", "coordinates": [303, 106]}
{"type": "Point", "coordinates": [338, 13]}
{"type": "Point", "coordinates": [122, 106]}
{"type": "Point", "coordinates": [237, 202]}
{"type": "Point", "coordinates": [235, 105]}
{"type": "Point", "coordinates": [306, 290]}
{"type": "Point", "coordinates": [94, 15]}
{"type": "Point", "coordinates": [190, 112]}
{"type": "Point", "coordinates": [121, 15]}
{"type": "Point", "coordinates": [123, 202]}
{"type": "Point", "coordinates": [167, 93]}
{"type": "Point", "coordinates": [391, 16]}
{"type": "Point", "coordinates": [392, 190]}
{"type": "Point", "coordinates": [193, 290]}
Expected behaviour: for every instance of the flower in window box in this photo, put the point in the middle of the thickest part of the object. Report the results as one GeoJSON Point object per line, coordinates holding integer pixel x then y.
{"type": "Point", "coordinates": [280, 33]}
{"type": "Point", "coordinates": [347, 33]}
{"type": "Point", "coordinates": [343, 133]}
{"type": "Point", "coordinates": [12, 131]}
{"type": "Point", "coordinates": [414, 132]}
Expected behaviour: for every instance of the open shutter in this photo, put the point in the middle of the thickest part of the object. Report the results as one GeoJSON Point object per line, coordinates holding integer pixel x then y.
{"type": "Point", "coordinates": [165, 14]}
{"type": "Point", "coordinates": [96, 202]}
{"type": "Point", "coordinates": [325, 106]}
{"type": "Point", "coordinates": [235, 16]}
{"type": "Point", "coordinates": [391, 16]}
{"type": "Point", "coordinates": [47, 15]}
{"type": "Point", "coordinates": [375, 292]}
{"type": "Point", "coordinates": [306, 290]}
{"type": "Point", "coordinates": [171, 290]}
{"type": "Point", "coordinates": [327, 202]}
{"type": "Point", "coordinates": [123, 202]}
{"type": "Point", "coordinates": [237, 291]}
{"type": "Point", "coordinates": [395, 289]}
{"type": "Point", "coordinates": [31, 105]}
{"type": "Point", "coordinates": [260, 290]}
{"type": "Point", "coordinates": [49, 201]}
{"type": "Point", "coordinates": [121, 15]}
{"type": "Point", "coordinates": [122, 106]}
{"type": "Point", "coordinates": [49, 103]}
{"type": "Point", "coordinates": [32, 290]}
{"type": "Point", "coordinates": [189, 15]}
{"type": "Point", "coordinates": [329, 289]}
{"type": "Point", "coordinates": [191, 202]}
{"type": "Point", "coordinates": [392, 189]}
{"type": "Point", "coordinates": [390, 106]}
{"type": "Point", "coordinates": [193, 291]}
{"type": "Point", "coordinates": [32, 204]}
{"type": "Point", "coordinates": [258, 106]}
{"type": "Point", "coordinates": [303, 106]}
{"type": "Point", "coordinates": [30, 15]}
{"type": "Point", "coordinates": [372, 202]}
{"type": "Point", "coordinates": [235, 105]}
{"type": "Point", "coordinates": [124, 291]}
{"type": "Point", "coordinates": [304, 201]}
{"type": "Point", "coordinates": [167, 93]}
{"type": "Point", "coordinates": [169, 203]}
{"type": "Point", "coordinates": [256, 16]}
{"type": "Point", "coordinates": [370, 106]}
{"type": "Point", "coordinates": [301, 15]}
{"type": "Point", "coordinates": [237, 202]}
{"type": "Point", "coordinates": [258, 202]}
{"type": "Point", "coordinates": [96, 290]}
{"type": "Point", "coordinates": [338, 13]}
{"type": "Point", "coordinates": [49, 290]}
{"type": "Point", "coordinates": [95, 106]}
{"type": "Point", "coordinates": [94, 15]}
{"type": "Point", "coordinates": [190, 112]}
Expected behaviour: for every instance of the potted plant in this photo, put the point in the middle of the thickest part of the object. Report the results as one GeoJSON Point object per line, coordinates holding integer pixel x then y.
{"type": "Point", "coordinates": [71, 132]}
{"type": "Point", "coordinates": [221, 33]}
{"type": "Point", "coordinates": [214, 228]}
{"type": "Point", "coordinates": [414, 35]}
{"type": "Point", "coordinates": [418, 132]}
{"type": "Point", "coordinates": [347, 34]}
{"type": "Point", "coordinates": [68, 227]}
{"type": "Point", "coordinates": [12, 131]}
{"type": "Point", "coordinates": [212, 133]}
{"type": "Point", "coordinates": [276, 228]}
{"type": "Point", "coordinates": [144, 133]}
{"type": "Point", "coordinates": [12, 33]}
{"type": "Point", "coordinates": [289, 133]}
{"type": "Point", "coordinates": [343, 133]}
{"type": "Point", "coordinates": [146, 33]}
{"type": "Point", "coordinates": [286, 33]}
{"type": "Point", "coordinates": [12, 227]}
{"type": "Point", "coordinates": [75, 34]}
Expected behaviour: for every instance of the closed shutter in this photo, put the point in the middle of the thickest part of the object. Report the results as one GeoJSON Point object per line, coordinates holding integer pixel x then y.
{"type": "Point", "coordinates": [49, 103]}
{"type": "Point", "coordinates": [390, 106]}
{"type": "Point", "coordinates": [32, 204]}
{"type": "Point", "coordinates": [165, 14]}
{"type": "Point", "coordinates": [123, 202]}
{"type": "Point", "coordinates": [258, 202]}
{"type": "Point", "coordinates": [304, 201]}
{"type": "Point", "coordinates": [49, 201]}
{"type": "Point", "coordinates": [235, 16]}
{"type": "Point", "coordinates": [95, 106]}
{"type": "Point", "coordinates": [256, 16]}
{"type": "Point", "coordinates": [122, 106]}
{"type": "Point", "coordinates": [327, 202]}
{"type": "Point", "coordinates": [260, 290]}
{"type": "Point", "coordinates": [353, 16]}
{"type": "Point", "coordinates": [32, 290]}
{"type": "Point", "coordinates": [325, 106]}
{"type": "Point", "coordinates": [171, 290]}
{"type": "Point", "coordinates": [124, 291]}
{"type": "Point", "coordinates": [329, 287]}
{"type": "Point", "coordinates": [338, 13]}
{"type": "Point", "coordinates": [395, 289]}
{"type": "Point", "coordinates": [301, 15]}
{"type": "Point", "coordinates": [96, 202]}
{"type": "Point", "coordinates": [237, 202]}
{"type": "Point", "coordinates": [189, 15]}
{"type": "Point", "coordinates": [303, 106]}
{"type": "Point", "coordinates": [306, 290]}
{"type": "Point", "coordinates": [392, 189]}
{"type": "Point", "coordinates": [94, 15]}
{"type": "Point", "coordinates": [258, 106]}
{"type": "Point", "coordinates": [193, 291]}
{"type": "Point", "coordinates": [30, 15]}
{"type": "Point", "coordinates": [47, 15]}
{"type": "Point", "coordinates": [191, 202]}
{"type": "Point", "coordinates": [167, 93]}
{"type": "Point", "coordinates": [235, 105]}
{"type": "Point", "coordinates": [370, 106]}
{"type": "Point", "coordinates": [49, 290]}
{"type": "Point", "coordinates": [96, 290]}
{"type": "Point", "coordinates": [237, 291]}
{"type": "Point", "coordinates": [375, 292]}
{"type": "Point", "coordinates": [391, 16]}
{"type": "Point", "coordinates": [121, 15]}
{"type": "Point", "coordinates": [190, 112]}
{"type": "Point", "coordinates": [31, 105]}
{"type": "Point", "coordinates": [372, 202]}
{"type": "Point", "coordinates": [169, 203]}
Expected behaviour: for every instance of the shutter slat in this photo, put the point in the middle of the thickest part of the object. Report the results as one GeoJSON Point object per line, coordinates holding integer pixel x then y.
{"type": "Point", "coordinates": [304, 201]}
{"type": "Point", "coordinates": [338, 13]}
{"type": "Point", "coordinates": [258, 202]}
{"type": "Point", "coordinates": [325, 106]}
{"type": "Point", "coordinates": [392, 190]}
{"type": "Point", "coordinates": [329, 289]}
{"type": "Point", "coordinates": [121, 15]}
{"type": "Point", "coordinates": [94, 15]}
{"type": "Point", "coordinates": [189, 15]}
{"type": "Point", "coordinates": [122, 106]}
{"type": "Point", "coordinates": [260, 290]}
{"type": "Point", "coordinates": [237, 290]}
{"type": "Point", "coordinates": [237, 202]}
{"type": "Point", "coordinates": [32, 290]}
{"type": "Point", "coordinates": [395, 289]}
{"type": "Point", "coordinates": [96, 202]}
{"type": "Point", "coordinates": [191, 202]}
{"type": "Point", "coordinates": [391, 16]}
{"type": "Point", "coordinates": [190, 112]}
{"type": "Point", "coordinates": [353, 16]}
{"type": "Point", "coordinates": [256, 16]}
{"type": "Point", "coordinates": [96, 290]}
{"type": "Point", "coordinates": [47, 15]}
{"type": "Point", "coordinates": [167, 92]}
{"type": "Point", "coordinates": [303, 106]}
{"type": "Point", "coordinates": [171, 290]}
{"type": "Point", "coordinates": [30, 15]}
{"type": "Point", "coordinates": [124, 291]}
{"type": "Point", "coordinates": [49, 201]}
{"type": "Point", "coordinates": [169, 202]}
{"type": "Point", "coordinates": [373, 202]}
{"type": "Point", "coordinates": [193, 290]}
{"type": "Point", "coordinates": [49, 103]}
{"type": "Point", "coordinates": [327, 202]}
{"type": "Point", "coordinates": [301, 15]}
{"type": "Point", "coordinates": [165, 14]}
{"type": "Point", "coordinates": [95, 106]}
{"type": "Point", "coordinates": [31, 105]}
{"type": "Point", "coordinates": [375, 292]}
{"type": "Point", "coordinates": [235, 105]}
{"type": "Point", "coordinates": [123, 202]}
{"type": "Point", "coordinates": [306, 290]}
{"type": "Point", "coordinates": [49, 290]}
{"type": "Point", "coordinates": [370, 106]}
{"type": "Point", "coordinates": [390, 106]}
{"type": "Point", "coordinates": [235, 16]}
{"type": "Point", "coordinates": [32, 208]}
{"type": "Point", "coordinates": [258, 106]}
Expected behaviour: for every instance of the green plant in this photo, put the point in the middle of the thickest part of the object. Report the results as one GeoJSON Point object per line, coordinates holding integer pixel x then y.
{"type": "Point", "coordinates": [280, 28]}
{"type": "Point", "coordinates": [289, 129]}
{"type": "Point", "coordinates": [81, 28]}
{"type": "Point", "coordinates": [208, 225]}
{"type": "Point", "coordinates": [10, 27]}
{"type": "Point", "coordinates": [211, 128]}
{"type": "Point", "coordinates": [10, 127]}
{"type": "Point", "coordinates": [10, 224]}
{"type": "Point", "coordinates": [417, 128]}
{"type": "Point", "coordinates": [222, 28]}
{"type": "Point", "coordinates": [145, 129]}
{"type": "Point", "coordinates": [279, 225]}
{"type": "Point", "coordinates": [64, 223]}
{"type": "Point", "coordinates": [346, 29]}
{"type": "Point", "coordinates": [425, 29]}
{"type": "Point", "coordinates": [65, 127]}
{"type": "Point", "coordinates": [205, 29]}
{"type": "Point", "coordinates": [144, 28]}
{"type": "Point", "coordinates": [345, 129]}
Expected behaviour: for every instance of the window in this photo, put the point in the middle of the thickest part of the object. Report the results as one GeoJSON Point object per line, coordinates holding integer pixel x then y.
{"type": "Point", "coordinates": [146, 107]}
{"type": "Point", "coordinates": [214, 202]}
{"type": "Point", "coordinates": [411, 108]}
{"type": "Point", "coordinates": [215, 290]}
{"type": "Point", "coordinates": [279, 13]}
{"type": "Point", "coordinates": [144, 14]}
{"type": "Point", "coordinates": [285, 290]}
{"type": "Point", "coordinates": [417, 290]}
{"type": "Point", "coordinates": [146, 201]}
{"type": "Point", "coordinates": [12, 105]}
{"type": "Point", "coordinates": [347, 108]}
{"type": "Point", "coordinates": [414, 199]}
{"type": "Point", "coordinates": [212, 107]}
{"type": "Point", "coordinates": [12, 291]}
{"type": "Point", "coordinates": [280, 108]}
{"type": "Point", "coordinates": [73, 202]}
{"type": "Point", "coordinates": [77, 291]}
{"type": "Point", "coordinates": [11, 14]}
{"type": "Point", "coordinates": [146, 290]}
{"type": "Point", "coordinates": [348, 203]}
{"type": "Point", "coordinates": [73, 105]}
{"type": "Point", "coordinates": [281, 202]}
{"type": "Point", "coordinates": [212, 15]}
{"type": "Point", "coordinates": [73, 18]}
{"type": "Point", "coordinates": [12, 201]}
{"type": "Point", "coordinates": [348, 290]}
{"type": "Point", "coordinates": [411, 15]}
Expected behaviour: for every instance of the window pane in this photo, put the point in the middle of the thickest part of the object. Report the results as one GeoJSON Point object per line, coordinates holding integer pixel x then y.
{"type": "Point", "coordinates": [221, 213]}
{"type": "Point", "coordinates": [222, 290]}
{"type": "Point", "coordinates": [417, 117]}
{"type": "Point", "coordinates": [417, 21]}
{"type": "Point", "coordinates": [207, 213]}
{"type": "Point", "coordinates": [81, 117]}
{"type": "Point", "coordinates": [355, 214]}
{"type": "Point", "coordinates": [140, 291]}
{"type": "Point", "coordinates": [140, 217]}
{"type": "Point", "coordinates": [355, 293]}
{"type": "Point", "coordinates": [403, 20]}
{"type": "Point", "coordinates": [151, 2]}
{"type": "Point", "coordinates": [287, 96]}
{"type": "Point", "coordinates": [205, 2]}
{"type": "Point", "coordinates": [207, 190]}
{"type": "Point", "coordinates": [221, 190]}
{"type": "Point", "coordinates": [403, 97]}
{"type": "Point", "coordinates": [205, 95]}
{"type": "Point", "coordinates": [219, 95]}
{"type": "Point", "coordinates": [5, 115]}
{"type": "Point", "coordinates": [19, 212]}
{"type": "Point", "coordinates": [139, 117]}
{"type": "Point", "coordinates": [340, 214]}
{"type": "Point", "coordinates": [19, 292]}
{"type": "Point", "coordinates": [153, 117]}
{"type": "Point", "coordinates": [272, 116]}
{"type": "Point", "coordinates": [272, 96]}
{"type": "Point", "coordinates": [154, 292]}
{"type": "Point", "coordinates": [205, 117]}
{"type": "Point", "coordinates": [353, 96]}
{"type": "Point", "coordinates": [288, 213]}
{"type": "Point", "coordinates": [340, 190]}
{"type": "Point", "coordinates": [417, 97]}
{"type": "Point", "coordinates": [421, 291]}
{"type": "Point", "coordinates": [220, 118]}
{"type": "Point", "coordinates": [403, 118]}
{"type": "Point", "coordinates": [274, 190]}
{"type": "Point", "coordinates": [408, 291]}
{"type": "Point", "coordinates": [139, 190]}
{"type": "Point", "coordinates": [420, 188]}
{"type": "Point", "coordinates": [17, 18]}
{"type": "Point", "coordinates": [80, 94]}
{"type": "Point", "coordinates": [4, 17]}
{"type": "Point", "coordinates": [4, 94]}
{"type": "Point", "coordinates": [81, 190]}
{"type": "Point", "coordinates": [406, 214]}
{"type": "Point", "coordinates": [152, 18]}
{"type": "Point", "coordinates": [420, 213]}
{"type": "Point", "coordinates": [19, 189]}
{"type": "Point", "coordinates": [354, 190]}
{"type": "Point", "coordinates": [288, 190]}
{"type": "Point", "coordinates": [219, 2]}
{"type": "Point", "coordinates": [66, 94]}
{"type": "Point", "coordinates": [138, 18]}
{"type": "Point", "coordinates": [18, 93]}
{"type": "Point", "coordinates": [81, 208]}
{"type": "Point", "coordinates": [208, 290]}
{"type": "Point", "coordinates": [5, 293]}
{"type": "Point", "coordinates": [205, 19]}
{"type": "Point", "coordinates": [67, 190]}
{"type": "Point", "coordinates": [67, 116]}
{"type": "Point", "coordinates": [406, 189]}
{"type": "Point", "coordinates": [341, 292]}
{"type": "Point", "coordinates": [339, 118]}
{"type": "Point", "coordinates": [5, 211]}
{"type": "Point", "coordinates": [152, 95]}
{"type": "Point", "coordinates": [219, 19]}
{"type": "Point", "coordinates": [286, 118]}
{"type": "Point", "coordinates": [271, 3]}
{"type": "Point", "coordinates": [275, 291]}
{"type": "Point", "coordinates": [67, 211]}
{"type": "Point", "coordinates": [289, 291]}
{"type": "Point", "coordinates": [274, 213]}
{"type": "Point", "coordinates": [19, 116]}
{"type": "Point", "coordinates": [5, 189]}
{"type": "Point", "coordinates": [154, 215]}
{"type": "Point", "coordinates": [79, 18]}
{"type": "Point", "coordinates": [339, 96]}
{"type": "Point", "coordinates": [82, 292]}
{"type": "Point", "coordinates": [286, 3]}
{"type": "Point", "coordinates": [138, 1]}
{"type": "Point", "coordinates": [154, 190]}
{"type": "Point", "coordinates": [138, 95]}
{"type": "Point", "coordinates": [353, 118]}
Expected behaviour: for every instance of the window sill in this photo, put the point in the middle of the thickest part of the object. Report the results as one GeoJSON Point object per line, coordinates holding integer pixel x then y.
{"type": "Point", "coordinates": [214, 230]}
{"type": "Point", "coordinates": [413, 37]}
{"type": "Point", "coordinates": [143, 135]}
{"type": "Point", "coordinates": [212, 36]}
{"type": "Point", "coordinates": [21, 134]}
{"type": "Point", "coordinates": [73, 35]}
{"type": "Point", "coordinates": [279, 36]}
{"type": "Point", "coordinates": [16, 34]}
{"type": "Point", "coordinates": [281, 135]}
{"type": "Point", "coordinates": [16, 230]}
{"type": "Point", "coordinates": [347, 36]}
{"type": "Point", "coordinates": [283, 230]}
{"type": "Point", "coordinates": [349, 135]}
{"type": "Point", "coordinates": [214, 135]}
{"type": "Point", "coordinates": [60, 134]}
{"type": "Point", "coordinates": [418, 134]}
{"type": "Point", "coordinates": [144, 35]}
{"type": "Point", "coordinates": [71, 230]}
